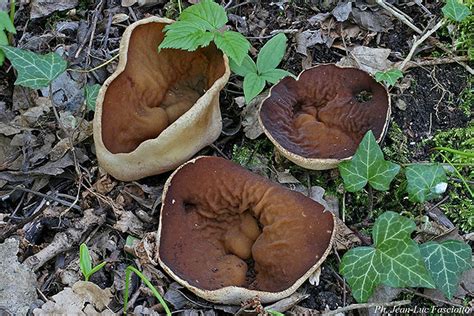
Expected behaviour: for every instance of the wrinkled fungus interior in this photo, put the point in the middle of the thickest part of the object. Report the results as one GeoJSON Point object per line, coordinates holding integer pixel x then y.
{"type": "Point", "coordinates": [155, 88]}
{"type": "Point", "coordinates": [326, 113]}
{"type": "Point", "coordinates": [218, 217]}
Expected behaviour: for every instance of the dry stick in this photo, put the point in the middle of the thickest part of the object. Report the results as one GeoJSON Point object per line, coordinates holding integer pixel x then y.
{"type": "Point", "coordinates": [418, 43]}
{"type": "Point", "coordinates": [366, 305]}
{"type": "Point", "coordinates": [436, 42]}
{"type": "Point", "coordinates": [433, 299]}
{"type": "Point", "coordinates": [398, 15]}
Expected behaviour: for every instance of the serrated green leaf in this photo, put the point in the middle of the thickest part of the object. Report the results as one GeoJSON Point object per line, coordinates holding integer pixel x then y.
{"type": "Point", "coordinates": [368, 165]}
{"type": "Point", "coordinates": [34, 70]}
{"type": "Point", "coordinates": [206, 13]}
{"type": "Point", "coordinates": [455, 10]}
{"type": "Point", "coordinates": [6, 23]}
{"type": "Point", "coordinates": [90, 94]}
{"type": "Point", "coordinates": [85, 260]}
{"type": "Point", "coordinates": [390, 77]}
{"type": "Point", "coordinates": [253, 85]}
{"type": "Point", "coordinates": [425, 181]}
{"type": "Point", "coordinates": [275, 75]}
{"type": "Point", "coordinates": [271, 53]}
{"type": "Point", "coordinates": [446, 261]}
{"type": "Point", "coordinates": [233, 44]}
{"type": "Point", "coordinates": [185, 35]}
{"type": "Point", "coordinates": [395, 260]}
{"type": "Point", "coordinates": [247, 66]}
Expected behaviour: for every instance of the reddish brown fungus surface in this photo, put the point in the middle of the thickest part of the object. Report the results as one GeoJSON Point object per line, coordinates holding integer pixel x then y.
{"type": "Point", "coordinates": [326, 112]}
{"type": "Point", "coordinates": [216, 215]}
{"type": "Point", "coordinates": [155, 88]}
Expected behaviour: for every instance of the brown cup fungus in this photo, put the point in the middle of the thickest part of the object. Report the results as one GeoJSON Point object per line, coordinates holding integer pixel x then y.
{"type": "Point", "coordinates": [158, 108]}
{"type": "Point", "coordinates": [228, 235]}
{"type": "Point", "coordinates": [319, 119]}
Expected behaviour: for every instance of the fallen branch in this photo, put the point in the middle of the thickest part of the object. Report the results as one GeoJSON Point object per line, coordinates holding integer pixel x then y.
{"type": "Point", "coordinates": [436, 42]}
{"type": "Point", "coordinates": [418, 43]}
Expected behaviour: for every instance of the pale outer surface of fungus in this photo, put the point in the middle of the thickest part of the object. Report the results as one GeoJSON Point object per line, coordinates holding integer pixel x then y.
{"type": "Point", "coordinates": [216, 216]}
{"type": "Point", "coordinates": [317, 120]}
{"type": "Point", "coordinates": [158, 108]}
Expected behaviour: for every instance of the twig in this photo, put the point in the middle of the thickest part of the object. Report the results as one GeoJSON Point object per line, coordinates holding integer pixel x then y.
{"type": "Point", "coordinates": [418, 43]}
{"type": "Point", "coordinates": [95, 68]}
{"type": "Point", "coordinates": [432, 298]}
{"type": "Point", "coordinates": [436, 42]}
{"type": "Point", "coordinates": [398, 15]}
{"type": "Point", "coordinates": [46, 196]}
{"type": "Point", "coordinates": [366, 305]}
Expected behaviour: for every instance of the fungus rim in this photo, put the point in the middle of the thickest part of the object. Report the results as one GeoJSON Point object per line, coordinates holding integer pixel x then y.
{"type": "Point", "coordinates": [319, 163]}
{"type": "Point", "coordinates": [235, 294]}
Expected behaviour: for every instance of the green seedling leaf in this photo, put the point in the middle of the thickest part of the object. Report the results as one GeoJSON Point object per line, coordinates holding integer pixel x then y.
{"type": "Point", "coordinates": [455, 10]}
{"type": "Point", "coordinates": [395, 260]}
{"type": "Point", "coordinates": [85, 261]}
{"type": "Point", "coordinates": [253, 85]}
{"type": "Point", "coordinates": [3, 41]}
{"type": "Point", "coordinates": [368, 165]}
{"type": "Point", "coordinates": [34, 70]}
{"type": "Point", "coordinates": [271, 53]}
{"type": "Point", "coordinates": [6, 23]}
{"type": "Point", "coordinates": [128, 274]}
{"type": "Point", "coordinates": [206, 13]}
{"type": "Point", "coordinates": [233, 44]}
{"type": "Point", "coordinates": [275, 75]}
{"type": "Point", "coordinates": [90, 93]}
{"type": "Point", "coordinates": [97, 267]}
{"type": "Point", "coordinates": [389, 77]}
{"type": "Point", "coordinates": [247, 66]}
{"type": "Point", "coordinates": [425, 181]}
{"type": "Point", "coordinates": [186, 35]}
{"type": "Point", "coordinates": [275, 313]}
{"type": "Point", "coordinates": [446, 261]}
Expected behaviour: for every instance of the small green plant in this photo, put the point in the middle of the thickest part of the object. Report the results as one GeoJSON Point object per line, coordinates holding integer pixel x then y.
{"type": "Point", "coordinates": [389, 77]}
{"type": "Point", "coordinates": [396, 260]}
{"type": "Point", "coordinates": [257, 74]}
{"type": "Point", "coordinates": [456, 11]}
{"type": "Point", "coordinates": [85, 262]}
{"type": "Point", "coordinates": [424, 181]}
{"type": "Point", "coordinates": [34, 70]}
{"type": "Point", "coordinates": [128, 275]}
{"type": "Point", "coordinates": [199, 25]}
{"type": "Point", "coordinates": [6, 25]}
{"type": "Point", "coordinates": [90, 94]}
{"type": "Point", "coordinates": [368, 166]}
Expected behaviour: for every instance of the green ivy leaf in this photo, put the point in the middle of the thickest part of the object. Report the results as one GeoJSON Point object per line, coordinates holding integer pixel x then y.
{"type": "Point", "coordinates": [233, 44]}
{"type": "Point", "coordinates": [368, 165]}
{"type": "Point", "coordinates": [446, 261]}
{"type": "Point", "coordinates": [206, 13]}
{"type": "Point", "coordinates": [390, 77]}
{"type": "Point", "coordinates": [34, 70]}
{"type": "Point", "coordinates": [425, 181]}
{"type": "Point", "coordinates": [186, 35]}
{"type": "Point", "coordinates": [395, 260]}
{"type": "Point", "coordinates": [275, 75]}
{"type": "Point", "coordinates": [271, 53]}
{"type": "Point", "coordinates": [253, 85]}
{"type": "Point", "coordinates": [455, 10]}
{"type": "Point", "coordinates": [247, 66]}
{"type": "Point", "coordinates": [90, 93]}
{"type": "Point", "coordinates": [6, 23]}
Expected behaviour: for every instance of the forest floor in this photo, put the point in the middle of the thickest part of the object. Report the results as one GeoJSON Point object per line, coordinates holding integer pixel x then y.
{"type": "Point", "coordinates": [54, 197]}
